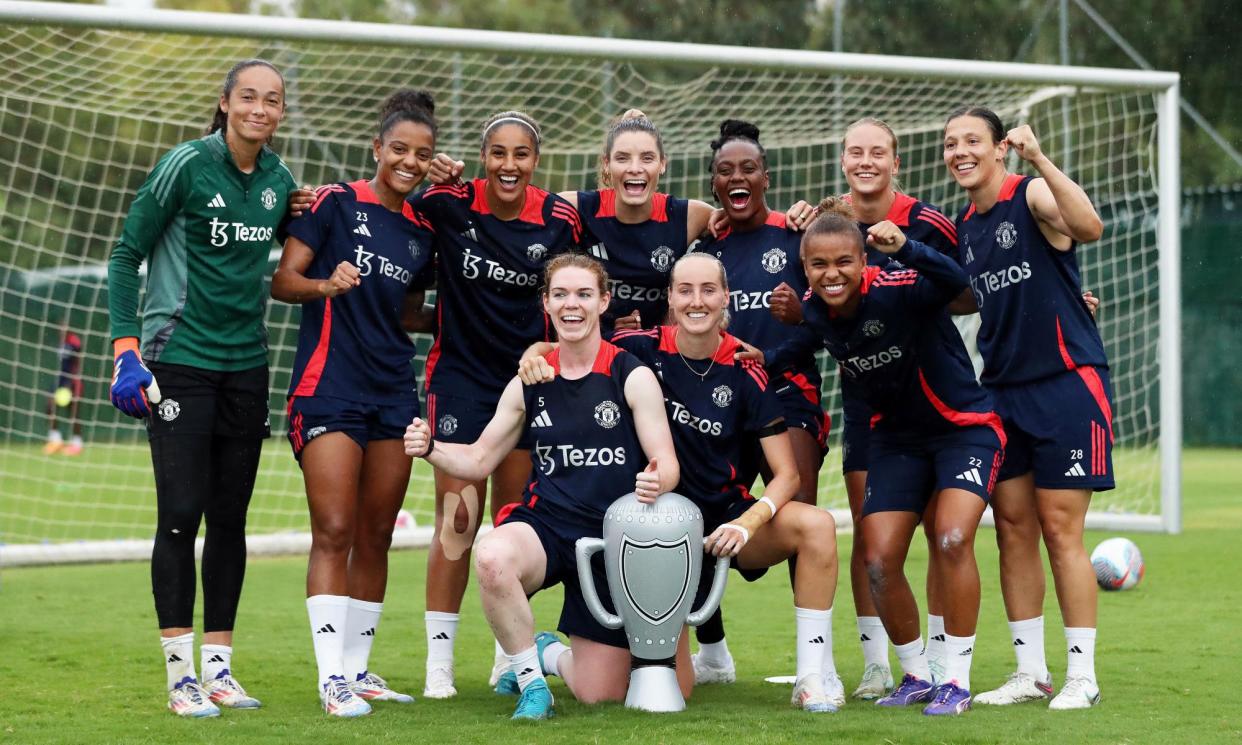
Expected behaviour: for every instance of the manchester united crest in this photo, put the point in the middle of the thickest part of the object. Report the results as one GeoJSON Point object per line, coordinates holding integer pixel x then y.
{"type": "Point", "coordinates": [1006, 235]}
{"type": "Point", "coordinates": [722, 396]}
{"type": "Point", "coordinates": [607, 415]}
{"type": "Point", "coordinates": [662, 259]}
{"type": "Point", "coordinates": [774, 260]}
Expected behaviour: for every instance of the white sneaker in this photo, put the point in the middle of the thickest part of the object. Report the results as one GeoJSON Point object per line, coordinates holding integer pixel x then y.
{"type": "Point", "coordinates": [227, 692]}
{"type": "Point", "coordinates": [374, 688]}
{"type": "Point", "coordinates": [1019, 688]}
{"type": "Point", "coordinates": [834, 689]}
{"type": "Point", "coordinates": [439, 683]}
{"type": "Point", "coordinates": [707, 671]}
{"type": "Point", "coordinates": [500, 666]}
{"type": "Point", "coordinates": [1079, 692]}
{"type": "Point", "coordinates": [189, 700]}
{"type": "Point", "coordinates": [809, 695]}
{"type": "Point", "coordinates": [877, 681]}
{"type": "Point", "coordinates": [339, 700]}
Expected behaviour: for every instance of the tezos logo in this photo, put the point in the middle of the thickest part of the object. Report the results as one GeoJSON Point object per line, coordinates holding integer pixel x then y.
{"type": "Point", "coordinates": [872, 328]}
{"type": "Point", "coordinates": [722, 396]}
{"type": "Point", "coordinates": [662, 259]}
{"type": "Point", "coordinates": [536, 251]}
{"type": "Point", "coordinates": [1006, 235]}
{"type": "Point", "coordinates": [448, 424]}
{"type": "Point", "coordinates": [607, 415]}
{"type": "Point", "coordinates": [268, 198]}
{"type": "Point", "coordinates": [169, 409]}
{"type": "Point", "coordinates": [314, 432]}
{"type": "Point", "coordinates": [774, 260]}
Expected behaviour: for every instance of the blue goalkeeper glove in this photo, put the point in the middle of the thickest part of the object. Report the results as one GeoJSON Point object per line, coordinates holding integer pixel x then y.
{"type": "Point", "coordinates": [133, 385]}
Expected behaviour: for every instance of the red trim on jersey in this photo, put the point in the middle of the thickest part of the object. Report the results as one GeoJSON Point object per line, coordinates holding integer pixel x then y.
{"type": "Point", "coordinates": [777, 220]}
{"type": "Point", "coordinates": [810, 392]}
{"type": "Point", "coordinates": [603, 359]}
{"type": "Point", "coordinates": [322, 193]}
{"type": "Point", "coordinates": [479, 203]}
{"type": "Point", "coordinates": [1007, 190]}
{"type": "Point", "coordinates": [532, 207]}
{"type": "Point", "coordinates": [987, 419]}
{"type": "Point", "coordinates": [939, 222]}
{"type": "Point", "coordinates": [314, 366]}
{"type": "Point", "coordinates": [1091, 378]}
{"type": "Point", "coordinates": [875, 419]}
{"type": "Point", "coordinates": [453, 190]}
{"type": "Point", "coordinates": [729, 345]}
{"type": "Point", "coordinates": [433, 355]}
{"type": "Point", "coordinates": [407, 211]}
{"type": "Point", "coordinates": [364, 193]}
{"type": "Point", "coordinates": [607, 203]}
{"type": "Point", "coordinates": [566, 211]}
{"type": "Point", "coordinates": [869, 275]}
{"type": "Point", "coordinates": [899, 213]}
{"type": "Point", "coordinates": [504, 512]}
{"type": "Point", "coordinates": [659, 207]}
{"type": "Point", "coordinates": [627, 333]}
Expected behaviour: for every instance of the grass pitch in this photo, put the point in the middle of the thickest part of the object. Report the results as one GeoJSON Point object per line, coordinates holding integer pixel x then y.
{"type": "Point", "coordinates": [80, 661]}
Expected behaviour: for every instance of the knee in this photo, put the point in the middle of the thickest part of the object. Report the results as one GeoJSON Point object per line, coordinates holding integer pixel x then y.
{"type": "Point", "coordinates": [1063, 537]}
{"type": "Point", "coordinates": [334, 534]}
{"type": "Point", "coordinates": [817, 536]}
{"type": "Point", "coordinates": [493, 563]}
{"type": "Point", "coordinates": [953, 545]}
{"type": "Point", "coordinates": [879, 565]}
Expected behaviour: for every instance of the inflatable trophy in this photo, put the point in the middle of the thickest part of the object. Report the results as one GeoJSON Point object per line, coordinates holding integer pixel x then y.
{"type": "Point", "coordinates": [653, 557]}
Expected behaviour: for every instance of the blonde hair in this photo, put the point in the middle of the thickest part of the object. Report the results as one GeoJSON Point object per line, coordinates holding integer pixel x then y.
{"type": "Point", "coordinates": [577, 261]}
{"type": "Point", "coordinates": [874, 122]}
{"type": "Point", "coordinates": [632, 120]}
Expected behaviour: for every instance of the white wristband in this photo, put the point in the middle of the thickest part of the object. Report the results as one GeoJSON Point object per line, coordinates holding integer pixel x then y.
{"type": "Point", "coordinates": [745, 533]}
{"type": "Point", "coordinates": [771, 505]}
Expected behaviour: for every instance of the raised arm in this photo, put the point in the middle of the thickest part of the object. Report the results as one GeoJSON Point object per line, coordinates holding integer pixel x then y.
{"type": "Point", "coordinates": [646, 400]}
{"type": "Point", "coordinates": [476, 461]}
{"type": "Point", "coordinates": [1056, 200]}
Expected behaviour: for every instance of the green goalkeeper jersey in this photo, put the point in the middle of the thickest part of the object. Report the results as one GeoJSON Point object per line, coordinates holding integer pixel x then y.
{"type": "Point", "coordinates": [206, 230]}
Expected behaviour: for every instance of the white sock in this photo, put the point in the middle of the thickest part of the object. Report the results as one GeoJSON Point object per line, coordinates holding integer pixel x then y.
{"type": "Point", "coordinates": [1080, 643]}
{"type": "Point", "coordinates": [441, 631]}
{"type": "Point", "coordinates": [828, 665]}
{"type": "Point", "coordinates": [811, 635]}
{"type": "Point", "coordinates": [935, 643]}
{"type": "Point", "coordinates": [328, 615]}
{"type": "Point", "coordinates": [179, 659]}
{"type": "Point", "coordinates": [525, 666]}
{"type": "Point", "coordinates": [76, 440]}
{"type": "Point", "coordinates": [217, 659]}
{"type": "Point", "coordinates": [1028, 647]}
{"type": "Point", "coordinates": [500, 654]}
{"type": "Point", "coordinates": [874, 640]}
{"type": "Point", "coordinates": [716, 653]}
{"type": "Point", "coordinates": [551, 657]}
{"type": "Point", "coordinates": [959, 653]}
{"type": "Point", "coordinates": [55, 436]}
{"type": "Point", "coordinates": [360, 624]}
{"type": "Point", "coordinates": [913, 659]}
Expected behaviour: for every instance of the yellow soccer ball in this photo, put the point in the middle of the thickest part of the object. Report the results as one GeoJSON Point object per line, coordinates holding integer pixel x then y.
{"type": "Point", "coordinates": [63, 396]}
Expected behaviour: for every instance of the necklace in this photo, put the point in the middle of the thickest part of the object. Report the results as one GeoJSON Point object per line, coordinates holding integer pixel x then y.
{"type": "Point", "coordinates": [710, 364]}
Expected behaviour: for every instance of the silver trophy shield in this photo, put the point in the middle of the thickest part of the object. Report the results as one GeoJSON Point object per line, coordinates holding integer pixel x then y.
{"type": "Point", "coordinates": [653, 557]}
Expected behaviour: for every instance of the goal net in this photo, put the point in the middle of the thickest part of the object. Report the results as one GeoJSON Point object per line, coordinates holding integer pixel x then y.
{"type": "Point", "coordinates": [91, 99]}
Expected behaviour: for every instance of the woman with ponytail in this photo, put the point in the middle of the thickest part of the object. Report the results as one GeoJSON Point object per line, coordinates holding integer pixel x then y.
{"type": "Point", "coordinates": [358, 262]}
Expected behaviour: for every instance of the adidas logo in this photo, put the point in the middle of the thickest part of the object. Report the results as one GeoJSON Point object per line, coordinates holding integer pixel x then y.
{"type": "Point", "coordinates": [326, 629]}
{"type": "Point", "coordinates": [440, 637]}
{"type": "Point", "coordinates": [368, 632]}
{"type": "Point", "coordinates": [543, 420]}
{"type": "Point", "coordinates": [967, 652]}
{"type": "Point", "coordinates": [526, 671]}
{"type": "Point", "coordinates": [471, 234]}
{"type": "Point", "coordinates": [1076, 470]}
{"type": "Point", "coordinates": [174, 658]}
{"type": "Point", "coordinates": [970, 255]}
{"type": "Point", "coordinates": [216, 658]}
{"type": "Point", "coordinates": [362, 230]}
{"type": "Point", "coordinates": [217, 201]}
{"type": "Point", "coordinates": [1019, 643]}
{"type": "Point", "coordinates": [818, 640]}
{"type": "Point", "coordinates": [864, 638]}
{"type": "Point", "coordinates": [938, 638]}
{"type": "Point", "coordinates": [1075, 649]}
{"type": "Point", "coordinates": [599, 252]}
{"type": "Point", "coordinates": [972, 476]}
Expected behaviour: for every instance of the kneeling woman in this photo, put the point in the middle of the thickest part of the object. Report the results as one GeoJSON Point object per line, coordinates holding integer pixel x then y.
{"type": "Point", "coordinates": [713, 401]}
{"type": "Point", "coordinates": [601, 398]}
{"type": "Point", "coordinates": [934, 432]}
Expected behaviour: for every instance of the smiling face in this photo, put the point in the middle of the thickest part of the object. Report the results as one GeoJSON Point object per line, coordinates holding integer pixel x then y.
{"type": "Point", "coordinates": [403, 156]}
{"type": "Point", "coordinates": [869, 160]}
{"type": "Point", "coordinates": [255, 106]}
{"type": "Point", "coordinates": [740, 180]}
{"type": "Point", "coordinates": [574, 300]}
{"type": "Point", "coordinates": [510, 157]}
{"type": "Point", "coordinates": [834, 264]}
{"type": "Point", "coordinates": [971, 153]}
{"type": "Point", "coordinates": [634, 167]}
{"type": "Point", "coordinates": [698, 294]}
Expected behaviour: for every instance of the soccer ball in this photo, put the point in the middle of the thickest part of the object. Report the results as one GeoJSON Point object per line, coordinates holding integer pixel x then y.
{"type": "Point", "coordinates": [1118, 564]}
{"type": "Point", "coordinates": [63, 396]}
{"type": "Point", "coordinates": [405, 521]}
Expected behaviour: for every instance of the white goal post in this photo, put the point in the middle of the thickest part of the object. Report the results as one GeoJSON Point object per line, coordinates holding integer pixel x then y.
{"type": "Point", "coordinates": [91, 96]}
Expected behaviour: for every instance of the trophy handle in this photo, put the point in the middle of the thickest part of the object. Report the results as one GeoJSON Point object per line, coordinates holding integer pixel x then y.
{"type": "Point", "coordinates": [584, 549]}
{"type": "Point", "coordinates": [714, 595]}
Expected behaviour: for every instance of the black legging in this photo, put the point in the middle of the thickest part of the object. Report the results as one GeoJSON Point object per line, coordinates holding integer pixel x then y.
{"type": "Point", "coordinates": [197, 476]}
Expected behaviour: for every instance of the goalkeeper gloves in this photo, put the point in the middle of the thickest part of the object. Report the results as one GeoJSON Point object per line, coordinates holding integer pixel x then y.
{"type": "Point", "coordinates": [133, 385]}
